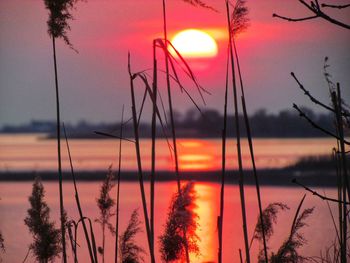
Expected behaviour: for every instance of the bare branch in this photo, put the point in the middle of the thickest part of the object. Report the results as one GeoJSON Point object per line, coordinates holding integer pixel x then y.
{"type": "Point", "coordinates": [335, 6]}
{"type": "Point", "coordinates": [294, 19]}
{"type": "Point", "coordinates": [294, 181]}
{"type": "Point", "coordinates": [303, 115]}
{"type": "Point", "coordinates": [307, 93]}
{"type": "Point", "coordinates": [315, 8]}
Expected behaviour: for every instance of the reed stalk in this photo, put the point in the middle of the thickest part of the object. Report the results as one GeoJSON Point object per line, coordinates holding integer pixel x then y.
{"type": "Point", "coordinates": [171, 112]}
{"type": "Point", "coordinates": [172, 123]}
{"type": "Point", "coordinates": [118, 189]}
{"type": "Point", "coordinates": [73, 238]}
{"type": "Point", "coordinates": [223, 171]}
{"type": "Point", "coordinates": [139, 163]}
{"type": "Point", "coordinates": [337, 102]}
{"type": "Point", "coordinates": [239, 153]}
{"type": "Point", "coordinates": [77, 200]}
{"type": "Point", "coordinates": [59, 158]}
{"type": "Point", "coordinates": [153, 154]}
{"type": "Point", "coordinates": [339, 186]}
{"type": "Point", "coordinates": [251, 151]}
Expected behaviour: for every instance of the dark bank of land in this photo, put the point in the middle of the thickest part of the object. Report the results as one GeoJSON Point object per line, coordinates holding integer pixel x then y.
{"type": "Point", "coordinates": [310, 171]}
{"type": "Point", "coordinates": [269, 177]}
{"type": "Point", "coordinates": [285, 124]}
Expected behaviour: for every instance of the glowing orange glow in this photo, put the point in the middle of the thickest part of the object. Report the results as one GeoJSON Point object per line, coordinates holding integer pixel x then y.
{"type": "Point", "coordinates": [196, 155]}
{"type": "Point", "coordinates": [195, 43]}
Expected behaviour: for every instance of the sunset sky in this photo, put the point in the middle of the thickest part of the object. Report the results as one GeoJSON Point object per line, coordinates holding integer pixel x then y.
{"type": "Point", "coordinates": [94, 82]}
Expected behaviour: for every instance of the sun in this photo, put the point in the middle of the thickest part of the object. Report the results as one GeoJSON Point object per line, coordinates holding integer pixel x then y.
{"type": "Point", "coordinates": [195, 43]}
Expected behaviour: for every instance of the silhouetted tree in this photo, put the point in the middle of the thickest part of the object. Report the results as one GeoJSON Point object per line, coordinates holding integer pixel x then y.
{"type": "Point", "coordinates": [341, 115]}
{"type": "Point", "coordinates": [46, 244]}
{"type": "Point", "coordinates": [105, 204]}
{"type": "Point", "coordinates": [129, 251]}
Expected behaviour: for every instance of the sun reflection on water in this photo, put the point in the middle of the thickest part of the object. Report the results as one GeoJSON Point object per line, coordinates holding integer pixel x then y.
{"type": "Point", "coordinates": [196, 155]}
{"type": "Point", "coordinates": [207, 211]}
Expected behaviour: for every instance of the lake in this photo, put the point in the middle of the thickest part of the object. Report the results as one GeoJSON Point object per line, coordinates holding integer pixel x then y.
{"type": "Point", "coordinates": [33, 153]}
{"type": "Point", "coordinates": [320, 232]}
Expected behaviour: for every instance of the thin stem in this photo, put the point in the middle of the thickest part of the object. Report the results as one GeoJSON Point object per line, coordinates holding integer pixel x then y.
{"type": "Point", "coordinates": [251, 150]}
{"type": "Point", "coordinates": [77, 200]}
{"type": "Point", "coordinates": [139, 163]}
{"type": "Point", "coordinates": [223, 172]}
{"type": "Point", "coordinates": [172, 123]}
{"type": "Point", "coordinates": [154, 122]}
{"type": "Point", "coordinates": [58, 130]}
{"type": "Point", "coordinates": [172, 117]}
{"type": "Point", "coordinates": [239, 153]}
{"type": "Point", "coordinates": [336, 98]}
{"type": "Point", "coordinates": [118, 189]}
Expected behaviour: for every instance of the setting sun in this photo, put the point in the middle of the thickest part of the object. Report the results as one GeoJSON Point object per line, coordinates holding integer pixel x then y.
{"type": "Point", "coordinates": [195, 43]}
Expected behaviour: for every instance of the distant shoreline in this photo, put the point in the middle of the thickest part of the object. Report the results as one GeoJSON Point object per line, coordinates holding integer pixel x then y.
{"type": "Point", "coordinates": [268, 177]}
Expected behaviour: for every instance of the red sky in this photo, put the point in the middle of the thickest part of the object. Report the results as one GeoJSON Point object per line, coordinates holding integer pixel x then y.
{"type": "Point", "coordinates": [94, 83]}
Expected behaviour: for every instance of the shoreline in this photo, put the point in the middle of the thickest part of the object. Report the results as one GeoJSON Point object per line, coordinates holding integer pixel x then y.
{"type": "Point", "coordinates": [267, 177]}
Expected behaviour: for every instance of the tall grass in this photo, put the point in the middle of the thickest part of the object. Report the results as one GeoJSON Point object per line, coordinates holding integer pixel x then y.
{"type": "Point", "coordinates": [47, 239]}
{"type": "Point", "coordinates": [57, 28]}
{"type": "Point", "coordinates": [118, 189]}
{"type": "Point", "coordinates": [239, 21]}
{"type": "Point", "coordinates": [238, 139]}
{"type": "Point", "coordinates": [167, 75]}
{"type": "Point", "coordinates": [105, 204]}
{"type": "Point", "coordinates": [223, 171]}
{"type": "Point", "coordinates": [337, 103]}
{"type": "Point", "coordinates": [153, 151]}
{"type": "Point", "coordinates": [77, 200]}
{"type": "Point", "coordinates": [174, 245]}
{"type": "Point", "coordinates": [251, 151]}
{"type": "Point", "coordinates": [139, 163]}
{"type": "Point", "coordinates": [167, 72]}
{"type": "Point", "coordinates": [129, 250]}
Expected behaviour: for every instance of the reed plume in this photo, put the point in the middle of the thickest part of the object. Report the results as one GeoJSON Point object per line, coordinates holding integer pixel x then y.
{"type": "Point", "coordinates": [59, 15]}
{"type": "Point", "coordinates": [46, 245]}
{"type": "Point", "coordinates": [105, 204]}
{"type": "Point", "coordinates": [174, 245]}
{"type": "Point", "coordinates": [129, 251]}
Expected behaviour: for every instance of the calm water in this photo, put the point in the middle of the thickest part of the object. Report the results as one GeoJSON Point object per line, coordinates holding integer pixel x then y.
{"type": "Point", "coordinates": [33, 153]}
{"type": "Point", "coordinates": [319, 233]}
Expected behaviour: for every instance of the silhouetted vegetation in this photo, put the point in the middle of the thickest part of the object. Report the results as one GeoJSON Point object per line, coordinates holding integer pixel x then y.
{"type": "Point", "coordinates": [77, 200]}
{"type": "Point", "coordinates": [46, 244]}
{"type": "Point", "coordinates": [322, 162]}
{"type": "Point", "coordinates": [181, 217]}
{"type": "Point", "coordinates": [105, 204]}
{"type": "Point", "coordinates": [2, 246]}
{"type": "Point", "coordinates": [129, 250]}
{"type": "Point", "coordinates": [288, 251]}
{"type": "Point", "coordinates": [59, 15]}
